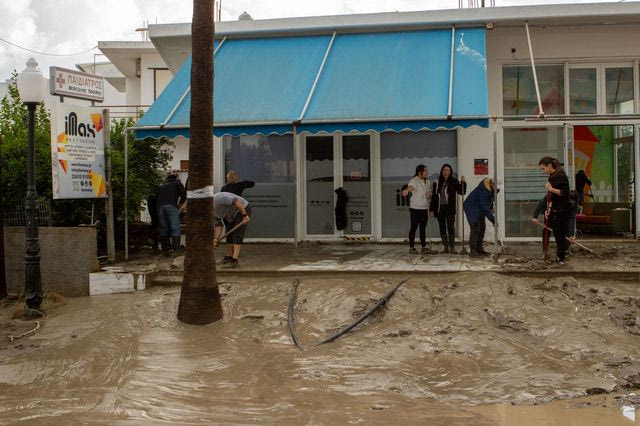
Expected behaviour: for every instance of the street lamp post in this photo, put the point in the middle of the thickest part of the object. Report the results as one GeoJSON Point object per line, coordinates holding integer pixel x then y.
{"type": "Point", "coordinates": [31, 88]}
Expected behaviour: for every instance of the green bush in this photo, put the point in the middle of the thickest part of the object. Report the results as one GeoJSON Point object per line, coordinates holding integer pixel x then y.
{"type": "Point", "coordinates": [146, 160]}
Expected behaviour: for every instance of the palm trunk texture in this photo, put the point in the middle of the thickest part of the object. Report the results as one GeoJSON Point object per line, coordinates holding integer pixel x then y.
{"type": "Point", "coordinates": [199, 298]}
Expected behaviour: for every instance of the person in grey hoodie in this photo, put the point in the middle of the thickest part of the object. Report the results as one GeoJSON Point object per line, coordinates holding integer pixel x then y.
{"type": "Point", "coordinates": [230, 210]}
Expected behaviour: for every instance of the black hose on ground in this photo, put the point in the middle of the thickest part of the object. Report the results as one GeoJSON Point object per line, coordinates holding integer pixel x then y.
{"type": "Point", "coordinates": [292, 321]}
{"type": "Point", "coordinates": [383, 300]}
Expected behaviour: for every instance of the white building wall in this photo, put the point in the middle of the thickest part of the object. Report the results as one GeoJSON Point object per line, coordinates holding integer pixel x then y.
{"type": "Point", "coordinates": [133, 91]}
{"type": "Point", "coordinates": [599, 43]}
{"type": "Point", "coordinates": [147, 63]}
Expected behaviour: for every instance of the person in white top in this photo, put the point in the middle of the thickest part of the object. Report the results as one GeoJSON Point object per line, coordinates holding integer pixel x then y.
{"type": "Point", "coordinates": [418, 187]}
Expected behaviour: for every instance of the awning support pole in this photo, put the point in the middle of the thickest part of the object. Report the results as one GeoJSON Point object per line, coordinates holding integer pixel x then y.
{"type": "Point", "coordinates": [453, 43]}
{"type": "Point", "coordinates": [533, 67]}
{"type": "Point", "coordinates": [126, 191]}
{"type": "Point", "coordinates": [296, 154]}
{"type": "Point", "coordinates": [315, 82]}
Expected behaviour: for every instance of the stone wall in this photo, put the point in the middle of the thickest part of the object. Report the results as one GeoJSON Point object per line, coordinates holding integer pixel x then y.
{"type": "Point", "coordinates": [67, 256]}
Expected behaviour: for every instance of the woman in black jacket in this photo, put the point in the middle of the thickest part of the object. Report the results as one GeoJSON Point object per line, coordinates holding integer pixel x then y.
{"type": "Point", "coordinates": [558, 189]}
{"type": "Point", "coordinates": [443, 205]}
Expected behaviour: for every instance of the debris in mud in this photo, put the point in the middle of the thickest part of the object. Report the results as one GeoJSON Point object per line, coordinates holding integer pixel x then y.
{"type": "Point", "coordinates": [627, 319]}
{"type": "Point", "coordinates": [503, 321]}
{"type": "Point", "coordinates": [401, 333]}
{"type": "Point", "coordinates": [253, 317]}
{"type": "Point", "coordinates": [596, 391]}
{"type": "Point", "coordinates": [363, 306]}
{"type": "Point", "coordinates": [629, 376]}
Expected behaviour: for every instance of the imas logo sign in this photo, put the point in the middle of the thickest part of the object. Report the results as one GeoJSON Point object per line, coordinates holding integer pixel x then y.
{"type": "Point", "coordinates": [72, 128]}
{"type": "Point", "coordinates": [77, 152]}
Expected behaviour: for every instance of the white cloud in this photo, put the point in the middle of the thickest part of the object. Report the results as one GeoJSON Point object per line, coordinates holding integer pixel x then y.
{"type": "Point", "coordinates": [69, 26]}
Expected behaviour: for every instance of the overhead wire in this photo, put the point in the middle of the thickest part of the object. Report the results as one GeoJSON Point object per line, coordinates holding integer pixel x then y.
{"type": "Point", "coordinates": [45, 53]}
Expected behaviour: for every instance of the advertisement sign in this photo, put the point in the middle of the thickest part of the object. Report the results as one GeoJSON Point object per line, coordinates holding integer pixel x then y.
{"type": "Point", "coordinates": [76, 84]}
{"type": "Point", "coordinates": [77, 152]}
{"type": "Point", "coordinates": [481, 166]}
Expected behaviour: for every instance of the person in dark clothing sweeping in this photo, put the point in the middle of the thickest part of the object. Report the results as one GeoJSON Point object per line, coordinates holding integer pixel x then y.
{"type": "Point", "coordinates": [477, 208]}
{"type": "Point", "coordinates": [443, 205]}
{"type": "Point", "coordinates": [235, 187]}
{"type": "Point", "coordinates": [581, 180]}
{"type": "Point", "coordinates": [171, 196]}
{"type": "Point", "coordinates": [560, 206]}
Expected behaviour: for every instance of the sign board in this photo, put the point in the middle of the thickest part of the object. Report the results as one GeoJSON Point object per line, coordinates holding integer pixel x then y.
{"type": "Point", "coordinates": [480, 166]}
{"type": "Point", "coordinates": [77, 152]}
{"type": "Point", "coordinates": [76, 84]}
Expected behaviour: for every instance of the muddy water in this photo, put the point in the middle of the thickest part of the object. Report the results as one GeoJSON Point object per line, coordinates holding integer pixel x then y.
{"type": "Point", "coordinates": [453, 349]}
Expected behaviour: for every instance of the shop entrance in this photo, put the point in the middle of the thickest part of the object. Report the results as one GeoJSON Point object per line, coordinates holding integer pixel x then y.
{"type": "Point", "coordinates": [332, 162]}
{"type": "Point", "coordinates": [605, 154]}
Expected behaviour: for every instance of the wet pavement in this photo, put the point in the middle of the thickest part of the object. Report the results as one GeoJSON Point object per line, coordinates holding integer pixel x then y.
{"type": "Point", "coordinates": [619, 257]}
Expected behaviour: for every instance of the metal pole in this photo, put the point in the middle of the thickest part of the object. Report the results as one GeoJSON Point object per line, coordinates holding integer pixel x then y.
{"type": "Point", "coordinates": [453, 43]}
{"type": "Point", "coordinates": [3, 276]}
{"type": "Point", "coordinates": [296, 153]}
{"type": "Point", "coordinates": [533, 67]}
{"type": "Point", "coordinates": [111, 242]}
{"type": "Point", "coordinates": [126, 189]}
{"type": "Point", "coordinates": [33, 285]}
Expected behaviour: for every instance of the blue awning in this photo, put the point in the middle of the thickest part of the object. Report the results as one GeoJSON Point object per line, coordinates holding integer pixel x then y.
{"type": "Point", "coordinates": [376, 81]}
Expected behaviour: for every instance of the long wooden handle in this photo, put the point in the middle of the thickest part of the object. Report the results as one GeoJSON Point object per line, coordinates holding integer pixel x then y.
{"type": "Point", "coordinates": [568, 239]}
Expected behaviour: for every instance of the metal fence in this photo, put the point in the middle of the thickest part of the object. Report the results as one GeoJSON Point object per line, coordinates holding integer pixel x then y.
{"type": "Point", "coordinates": [14, 214]}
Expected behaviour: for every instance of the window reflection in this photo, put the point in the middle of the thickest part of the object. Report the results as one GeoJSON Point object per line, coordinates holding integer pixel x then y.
{"type": "Point", "coordinates": [583, 88]}
{"type": "Point", "coordinates": [519, 90]}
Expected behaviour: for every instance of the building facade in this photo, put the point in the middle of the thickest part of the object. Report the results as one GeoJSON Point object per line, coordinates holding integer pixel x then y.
{"type": "Point", "coordinates": [359, 104]}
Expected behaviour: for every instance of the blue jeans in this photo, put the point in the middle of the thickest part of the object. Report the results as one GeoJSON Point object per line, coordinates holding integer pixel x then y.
{"type": "Point", "coordinates": [169, 220]}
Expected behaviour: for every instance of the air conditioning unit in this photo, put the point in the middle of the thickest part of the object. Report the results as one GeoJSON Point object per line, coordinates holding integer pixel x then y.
{"type": "Point", "coordinates": [138, 67]}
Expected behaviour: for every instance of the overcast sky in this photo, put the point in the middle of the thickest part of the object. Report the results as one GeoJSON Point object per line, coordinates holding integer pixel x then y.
{"type": "Point", "coordinates": [70, 26]}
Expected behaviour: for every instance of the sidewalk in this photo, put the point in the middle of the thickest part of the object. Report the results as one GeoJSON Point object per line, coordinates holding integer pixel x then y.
{"type": "Point", "coordinates": [620, 257]}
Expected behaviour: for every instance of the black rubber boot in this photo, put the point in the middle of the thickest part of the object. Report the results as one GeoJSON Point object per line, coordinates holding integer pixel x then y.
{"type": "Point", "coordinates": [175, 243]}
{"type": "Point", "coordinates": [165, 246]}
{"type": "Point", "coordinates": [445, 244]}
{"type": "Point", "coordinates": [452, 245]}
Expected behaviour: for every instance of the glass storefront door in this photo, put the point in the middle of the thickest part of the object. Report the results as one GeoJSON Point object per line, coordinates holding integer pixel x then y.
{"type": "Point", "coordinates": [523, 180]}
{"type": "Point", "coordinates": [338, 162]}
{"type": "Point", "coordinates": [319, 171]}
{"type": "Point", "coordinates": [356, 180]}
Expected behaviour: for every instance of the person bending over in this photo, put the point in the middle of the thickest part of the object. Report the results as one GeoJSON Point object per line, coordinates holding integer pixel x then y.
{"type": "Point", "coordinates": [231, 210]}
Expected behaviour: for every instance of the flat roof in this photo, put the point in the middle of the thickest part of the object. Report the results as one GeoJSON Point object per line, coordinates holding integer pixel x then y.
{"type": "Point", "coordinates": [604, 13]}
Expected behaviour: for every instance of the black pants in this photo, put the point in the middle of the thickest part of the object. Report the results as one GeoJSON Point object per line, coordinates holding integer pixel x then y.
{"type": "Point", "coordinates": [476, 236]}
{"type": "Point", "coordinates": [418, 217]}
{"type": "Point", "coordinates": [560, 225]}
{"type": "Point", "coordinates": [446, 221]}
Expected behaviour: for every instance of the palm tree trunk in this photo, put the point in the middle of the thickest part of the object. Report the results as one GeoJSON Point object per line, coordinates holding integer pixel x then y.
{"type": "Point", "coordinates": [200, 299]}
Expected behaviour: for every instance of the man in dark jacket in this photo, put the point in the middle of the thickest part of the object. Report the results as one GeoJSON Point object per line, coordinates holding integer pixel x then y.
{"type": "Point", "coordinates": [581, 181]}
{"type": "Point", "coordinates": [477, 207]}
{"type": "Point", "coordinates": [235, 187]}
{"type": "Point", "coordinates": [171, 196]}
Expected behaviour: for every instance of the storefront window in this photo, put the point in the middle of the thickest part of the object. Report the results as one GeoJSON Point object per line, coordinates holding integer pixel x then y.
{"type": "Point", "coordinates": [619, 89]}
{"type": "Point", "coordinates": [400, 153]}
{"type": "Point", "coordinates": [519, 90]}
{"type": "Point", "coordinates": [269, 162]}
{"type": "Point", "coordinates": [523, 180]}
{"type": "Point", "coordinates": [583, 89]}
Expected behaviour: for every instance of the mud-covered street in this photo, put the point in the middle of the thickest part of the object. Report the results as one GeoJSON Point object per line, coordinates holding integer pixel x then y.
{"type": "Point", "coordinates": [465, 348]}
